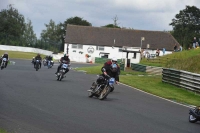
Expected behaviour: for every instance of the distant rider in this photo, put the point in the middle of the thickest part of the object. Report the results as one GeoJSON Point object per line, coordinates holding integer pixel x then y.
{"type": "Point", "coordinates": [110, 69]}
{"type": "Point", "coordinates": [33, 60]}
{"type": "Point", "coordinates": [38, 57]}
{"type": "Point", "coordinates": [5, 55]}
{"type": "Point", "coordinates": [49, 59]}
{"type": "Point", "coordinates": [66, 58]}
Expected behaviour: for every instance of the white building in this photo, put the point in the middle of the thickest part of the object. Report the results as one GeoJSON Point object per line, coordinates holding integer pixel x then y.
{"type": "Point", "coordinates": [101, 42]}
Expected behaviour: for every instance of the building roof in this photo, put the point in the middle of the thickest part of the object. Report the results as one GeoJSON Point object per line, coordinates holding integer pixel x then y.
{"type": "Point", "coordinates": [102, 36]}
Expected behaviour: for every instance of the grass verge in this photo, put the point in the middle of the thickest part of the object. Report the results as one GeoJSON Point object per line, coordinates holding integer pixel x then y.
{"type": "Point", "coordinates": [152, 84]}
{"type": "Point", "coordinates": [20, 55]}
{"type": "Point", "coordinates": [3, 131]}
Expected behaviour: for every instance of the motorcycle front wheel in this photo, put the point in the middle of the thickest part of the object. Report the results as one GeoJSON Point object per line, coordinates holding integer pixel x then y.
{"type": "Point", "coordinates": [90, 94]}
{"type": "Point", "coordinates": [60, 76]}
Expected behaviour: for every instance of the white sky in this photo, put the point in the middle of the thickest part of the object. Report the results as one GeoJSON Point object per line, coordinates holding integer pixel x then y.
{"type": "Point", "coordinates": [137, 14]}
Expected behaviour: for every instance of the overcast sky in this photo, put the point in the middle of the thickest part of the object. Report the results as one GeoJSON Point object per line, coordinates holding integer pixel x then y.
{"type": "Point", "coordinates": [137, 14]}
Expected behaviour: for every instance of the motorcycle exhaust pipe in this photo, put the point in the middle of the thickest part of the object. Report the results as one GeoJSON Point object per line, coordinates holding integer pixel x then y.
{"type": "Point", "coordinates": [194, 114]}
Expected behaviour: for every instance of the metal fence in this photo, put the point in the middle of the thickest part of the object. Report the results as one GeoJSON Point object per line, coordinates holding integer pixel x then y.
{"type": "Point", "coordinates": [184, 79]}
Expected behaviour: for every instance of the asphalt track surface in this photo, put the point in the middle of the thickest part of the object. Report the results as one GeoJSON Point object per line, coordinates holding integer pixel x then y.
{"type": "Point", "coordinates": [35, 102]}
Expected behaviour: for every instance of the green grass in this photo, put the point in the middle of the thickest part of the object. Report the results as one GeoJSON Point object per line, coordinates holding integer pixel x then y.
{"type": "Point", "coordinates": [3, 131]}
{"type": "Point", "coordinates": [20, 55]}
{"type": "Point", "coordinates": [187, 60]}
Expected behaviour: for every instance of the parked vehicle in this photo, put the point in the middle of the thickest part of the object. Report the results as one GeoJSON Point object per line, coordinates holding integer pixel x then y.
{"type": "Point", "coordinates": [194, 114]}
{"type": "Point", "coordinates": [3, 63]}
{"type": "Point", "coordinates": [102, 89]}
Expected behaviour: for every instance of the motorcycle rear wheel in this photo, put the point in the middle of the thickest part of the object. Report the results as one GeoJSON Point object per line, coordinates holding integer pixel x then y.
{"type": "Point", "coordinates": [104, 93]}
{"type": "Point", "coordinates": [192, 119]}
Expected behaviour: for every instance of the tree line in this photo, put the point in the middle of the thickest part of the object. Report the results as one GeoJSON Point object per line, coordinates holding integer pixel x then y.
{"type": "Point", "coordinates": [16, 31]}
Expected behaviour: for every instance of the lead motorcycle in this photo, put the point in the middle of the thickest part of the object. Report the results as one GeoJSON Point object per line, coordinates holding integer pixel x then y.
{"type": "Point", "coordinates": [61, 72]}
{"type": "Point", "coordinates": [194, 114]}
{"type": "Point", "coordinates": [3, 63]}
{"type": "Point", "coordinates": [103, 87]}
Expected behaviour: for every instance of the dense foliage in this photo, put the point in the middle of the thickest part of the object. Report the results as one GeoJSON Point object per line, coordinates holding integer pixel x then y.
{"type": "Point", "coordinates": [186, 26]}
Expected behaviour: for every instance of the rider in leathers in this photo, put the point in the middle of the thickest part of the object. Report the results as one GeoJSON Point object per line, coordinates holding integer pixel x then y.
{"type": "Point", "coordinates": [66, 58]}
{"type": "Point", "coordinates": [5, 55]}
{"type": "Point", "coordinates": [38, 57]}
{"type": "Point", "coordinates": [110, 69]}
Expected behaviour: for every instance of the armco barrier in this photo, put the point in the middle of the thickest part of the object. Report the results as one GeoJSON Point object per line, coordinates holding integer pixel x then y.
{"type": "Point", "coordinates": [184, 79]}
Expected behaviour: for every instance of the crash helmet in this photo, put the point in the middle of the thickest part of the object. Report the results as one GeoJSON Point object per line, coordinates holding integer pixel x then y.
{"type": "Point", "coordinates": [114, 60]}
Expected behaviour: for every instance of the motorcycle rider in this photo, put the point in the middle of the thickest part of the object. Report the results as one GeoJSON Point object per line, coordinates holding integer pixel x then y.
{"type": "Point", "coordinates": [110, 69]}
{"type": "Point", "coordinates": [66, 58]}
{"type": "Point", "coordinates": [49, 59]}
{"type": "Point", "coordinates": [33, 60]}
{"type": "Point", "coordinates": [38, 57]}
{"type": "Point", "coordinates": [5, 55]}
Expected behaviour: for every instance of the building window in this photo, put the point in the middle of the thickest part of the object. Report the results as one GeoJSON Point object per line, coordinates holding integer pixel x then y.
{"type": "Point", "coordinates": [100, 48]}
{"type": "Point", "coordinates": [77, 46]}
{"type": "Point", "coordinates": [134, 55]}
{"type": "Point", "coordinates": [120, 49]}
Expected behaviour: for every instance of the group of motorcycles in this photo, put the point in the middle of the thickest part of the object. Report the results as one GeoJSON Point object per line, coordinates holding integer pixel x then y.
{"type": "Point", "coordinates": [60, 75]}
{"type": "Point", "coordinates": [47, 63]}
{"type": "Point", "coordinates": [102, 88]}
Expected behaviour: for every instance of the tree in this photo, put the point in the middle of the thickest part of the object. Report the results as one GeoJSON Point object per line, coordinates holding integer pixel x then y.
{"type": "Point", "coordinates": [75, 21]}
{"type": "Point", "coordinates": [186, 25]}
{"type": "Point", "coordinates": [114, 25]}
{"type": "Point", "coordinates": [29, 36]}
{"type": "Point", "coordinates": [12, 22]}
{"type": "Point", "coordinates": [51, 36]}
{"type": "Point", "coordinates": [111, 26]}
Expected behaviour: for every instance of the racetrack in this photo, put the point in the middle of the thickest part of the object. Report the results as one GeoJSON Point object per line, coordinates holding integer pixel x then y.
{"type": "Point", "coordinates": [35, 102]}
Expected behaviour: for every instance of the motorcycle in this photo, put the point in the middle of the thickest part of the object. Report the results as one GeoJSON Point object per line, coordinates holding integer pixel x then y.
{"type": "Point", "coordinates": [61, 73]}
{"type": "Point", "coordinates": [44, 62]}
{"type": "Point", "coordinates": [50, 64]}
{"type": "Point", "coordinates": [37, 65]}
{"type": "Point", "coordinates": [194, 114]}
{"type": "Point", "coordinates": [103, 88]}
{"type": "Point", "coordinates": [3, 63]}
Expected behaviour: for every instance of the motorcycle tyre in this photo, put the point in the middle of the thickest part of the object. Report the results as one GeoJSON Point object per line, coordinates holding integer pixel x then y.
{"type": "Point", "coordinates": [103, 96]}
{"type": "Point", "coordinates": [192, 119]}
{"type": "Point", "coordinates": [112, 89]}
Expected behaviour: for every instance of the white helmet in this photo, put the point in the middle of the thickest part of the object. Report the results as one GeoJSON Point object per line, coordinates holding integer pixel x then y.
{"type": "Point", "coordinates": [114, 60]}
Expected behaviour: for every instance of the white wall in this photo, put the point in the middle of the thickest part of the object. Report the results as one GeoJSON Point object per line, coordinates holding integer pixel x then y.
{"type": "Point", "coordinates": [29, 49]}
{"type": "Point", "coordinates": [114, 52]}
